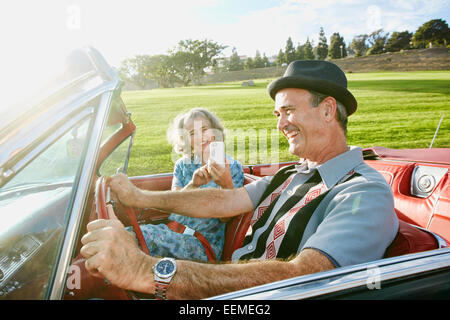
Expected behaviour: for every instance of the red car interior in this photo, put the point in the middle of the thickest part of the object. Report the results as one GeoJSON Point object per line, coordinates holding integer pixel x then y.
{"type": "Point", "coordinates": [423, 221]}
{"type": "Point", "coordinates": [431, 214]}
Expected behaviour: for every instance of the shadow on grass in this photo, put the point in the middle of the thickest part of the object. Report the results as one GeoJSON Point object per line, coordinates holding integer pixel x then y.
{"type": "Point", "coordinates": [422, 86]}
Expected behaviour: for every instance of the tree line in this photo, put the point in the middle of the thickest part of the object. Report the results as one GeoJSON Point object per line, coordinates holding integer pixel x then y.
{"type": "Point", "coordinates": [186, 63]}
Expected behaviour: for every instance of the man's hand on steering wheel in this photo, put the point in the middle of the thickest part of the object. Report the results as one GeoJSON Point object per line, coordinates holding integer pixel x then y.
{"type": "Point", "coordinates": [111, 252]}
{"type": "Point", "coordinates": [126, 192]}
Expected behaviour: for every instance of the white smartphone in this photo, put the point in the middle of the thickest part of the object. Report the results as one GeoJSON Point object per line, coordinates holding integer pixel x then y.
{"type": "Point", "coordinates": [217, 152]}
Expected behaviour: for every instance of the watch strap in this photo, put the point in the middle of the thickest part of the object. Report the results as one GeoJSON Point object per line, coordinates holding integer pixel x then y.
{"type": "Point", "coordinates": [160, 290]}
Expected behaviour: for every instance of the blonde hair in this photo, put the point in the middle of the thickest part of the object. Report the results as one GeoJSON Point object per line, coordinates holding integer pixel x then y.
{"type": "Point", "coordinates": [179, 138]}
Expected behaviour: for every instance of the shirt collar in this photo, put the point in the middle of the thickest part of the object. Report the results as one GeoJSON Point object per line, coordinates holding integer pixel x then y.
{"type": "Point", "coordinates": [334, 169]}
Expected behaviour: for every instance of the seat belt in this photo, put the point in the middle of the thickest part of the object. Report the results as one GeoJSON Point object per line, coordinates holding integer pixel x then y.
{"type": "Point", "coordinates": [180, 228]}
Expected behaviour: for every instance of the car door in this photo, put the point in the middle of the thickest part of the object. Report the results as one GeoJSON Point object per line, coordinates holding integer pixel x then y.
{"type": "Point", "coordinates": [34, 208]}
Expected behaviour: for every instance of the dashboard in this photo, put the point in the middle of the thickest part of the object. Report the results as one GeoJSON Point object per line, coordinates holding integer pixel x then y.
{"type": "Point", "coordinates": [31, 224]}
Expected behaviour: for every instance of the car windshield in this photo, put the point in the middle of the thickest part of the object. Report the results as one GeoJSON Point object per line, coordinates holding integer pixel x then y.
{"type": "Point", "coordinates": [33, 208]}
{"type": "Point", "coordinates": [57, 164]}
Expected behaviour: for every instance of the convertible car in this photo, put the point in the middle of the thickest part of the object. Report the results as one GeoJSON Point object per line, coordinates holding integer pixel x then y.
{"type": "Point", "coordinates": [54, 155]}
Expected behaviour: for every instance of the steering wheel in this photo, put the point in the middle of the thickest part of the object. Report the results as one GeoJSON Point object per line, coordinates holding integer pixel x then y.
{"type": "Point", "coordinates": [91, 286]}
{"type": "Point", "coordinates": [103, 198]}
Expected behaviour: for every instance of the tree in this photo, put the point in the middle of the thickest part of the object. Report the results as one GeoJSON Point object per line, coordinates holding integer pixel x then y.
{"type": "Point", "coordinates": [266, 60]}
{"type": "Point", "coordinates": [300, 52]}
{"type": "Point", "coordinates": [235, 62]}
{"type": "Point", "coordinates": [289, 51]}
{"type": "Point", "coordinates": [193, 56]}
{"type": "Point", "coordinates": [337, 48]}
{"type": "Point", "coordinates": [164, 71]}
{"type": "Point", "coordinates": [184, 66]}
{"type": "Point", "coordinates": [322, 46]}
{"type": "Point", "coordinates": [308, 50]}
{"type": "Point", "coordinates": [258, 61]}
{"type": "Point", "coordinates": [135, 70]}
{"type": "Point", "coordinates": [280, 58]}
{"type": "Point", "coordinates": [359, 45]}
{"type": "Point", "coordinates": [249, 64]}
{"type": "Point", "coordinates": [143, 68]}
{"type": "Point", "coordinates": [377, 41]}
{"type": "Point", "coordinates": [399, 41]}
{"type": "Point", "coordinates": [434, 31]}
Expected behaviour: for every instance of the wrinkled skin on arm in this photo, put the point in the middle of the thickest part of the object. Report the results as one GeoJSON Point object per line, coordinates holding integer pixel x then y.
{"type": "Point", "coordinates": [112, 253]}
{"type": "Point", "coordinates": [200, 203]}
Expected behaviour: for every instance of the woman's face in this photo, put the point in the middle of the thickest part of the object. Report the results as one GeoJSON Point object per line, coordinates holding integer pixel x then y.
{"type": "Point", "coordinates": [201, 135]}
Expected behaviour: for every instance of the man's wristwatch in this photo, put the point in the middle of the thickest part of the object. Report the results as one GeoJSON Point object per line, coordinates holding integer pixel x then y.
{"type": "Point", "coordinates": [163, 272]}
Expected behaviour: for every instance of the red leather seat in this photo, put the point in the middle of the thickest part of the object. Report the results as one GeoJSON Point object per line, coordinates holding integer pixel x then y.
{"type": "Point", "coordinates": [411, 239]}
{"type": "Point", "coordinates": [237, 227]}
{"type": "Point", "coordinates": [235, 234]}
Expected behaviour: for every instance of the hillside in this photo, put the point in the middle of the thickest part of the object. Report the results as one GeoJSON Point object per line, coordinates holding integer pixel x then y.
{"type": "Point", "coordinates": [409, 60]}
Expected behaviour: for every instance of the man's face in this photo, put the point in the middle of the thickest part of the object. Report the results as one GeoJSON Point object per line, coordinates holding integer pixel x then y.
{"type": "Point", "coordinates": [300, 123]}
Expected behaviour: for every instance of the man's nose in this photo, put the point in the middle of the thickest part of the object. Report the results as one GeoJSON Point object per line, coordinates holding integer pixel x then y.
{"type": "Point", "coordinates": [282, 122]}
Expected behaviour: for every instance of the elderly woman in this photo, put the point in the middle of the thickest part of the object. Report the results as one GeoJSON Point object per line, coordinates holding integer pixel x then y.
{"type": "Point", "coordinates": [200, 239]}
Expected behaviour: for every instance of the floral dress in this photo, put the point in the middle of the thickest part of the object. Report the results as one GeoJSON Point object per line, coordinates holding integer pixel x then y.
{"type": "Point", "coordinates": [162, 241]}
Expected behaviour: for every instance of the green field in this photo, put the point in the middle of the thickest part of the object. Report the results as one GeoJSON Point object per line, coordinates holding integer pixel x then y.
{"type": "Point", "coordinates": [395, 110]}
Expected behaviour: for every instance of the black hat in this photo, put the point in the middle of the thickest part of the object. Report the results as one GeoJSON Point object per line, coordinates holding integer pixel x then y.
{"type": "Point", "coordinates": [316, 75]}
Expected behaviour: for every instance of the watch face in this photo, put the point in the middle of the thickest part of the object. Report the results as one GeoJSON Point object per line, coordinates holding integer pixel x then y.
{"type": "Point", "coordinates": [165, 267]}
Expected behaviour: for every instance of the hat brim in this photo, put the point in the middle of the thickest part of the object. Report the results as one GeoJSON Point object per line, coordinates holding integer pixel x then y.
{"type": "Point", "coordinates": [340, 93]}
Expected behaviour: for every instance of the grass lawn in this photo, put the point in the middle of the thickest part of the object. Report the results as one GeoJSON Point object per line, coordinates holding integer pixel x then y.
{"type": "Point", "coordinates": [395, 110]}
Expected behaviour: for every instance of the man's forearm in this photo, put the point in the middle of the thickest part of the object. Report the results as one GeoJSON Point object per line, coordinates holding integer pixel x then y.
{"type": "Point", "coordinates": [195, 280]}
{"type": "Point", "coordinates": [201, 203]}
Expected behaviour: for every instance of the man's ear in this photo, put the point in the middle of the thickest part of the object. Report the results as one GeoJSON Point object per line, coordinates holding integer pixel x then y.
{"type": "Point", "coordinates": [329, 107]}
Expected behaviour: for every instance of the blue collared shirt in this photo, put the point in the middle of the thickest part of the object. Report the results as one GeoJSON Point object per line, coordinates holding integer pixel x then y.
{"type": "Point", "coordinates": [354, 223]}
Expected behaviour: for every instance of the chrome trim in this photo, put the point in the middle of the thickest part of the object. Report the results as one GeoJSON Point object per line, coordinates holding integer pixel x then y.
{"type": "Point", "coordinates": [81, 195]}
{"type": "Point", "coordinates": [102, 67]}
{"type": "Point", "coordinates": [434, 174]}
{"type": "Point", "coordinates": [156, 175]}
{"type": "Point", "coordinates": [127, 160]}
{"type": "Point", "coordinates": [312, 285]}
{"type": "Point", "coordinates": [441, 241]}
{"type": "Point", "coordinates": [14, 257]}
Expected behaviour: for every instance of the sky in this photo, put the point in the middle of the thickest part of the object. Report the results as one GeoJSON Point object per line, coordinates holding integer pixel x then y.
{"type": "Point", "coordinates": [37, 35]}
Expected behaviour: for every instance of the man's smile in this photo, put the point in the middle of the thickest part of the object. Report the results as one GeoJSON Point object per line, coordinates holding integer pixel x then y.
{"type": "Point", "coordinates": [291, 134]}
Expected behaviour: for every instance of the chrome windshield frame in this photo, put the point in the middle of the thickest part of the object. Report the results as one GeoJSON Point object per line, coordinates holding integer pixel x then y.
{"type": "Point", "coordinates": [107, 93]}
{"type": "Point", "coordinates": [58, 285]}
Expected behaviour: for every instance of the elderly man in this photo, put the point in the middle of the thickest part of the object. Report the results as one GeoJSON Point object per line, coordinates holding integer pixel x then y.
{"type": "Point", "coordinates": [328, 211]}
